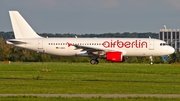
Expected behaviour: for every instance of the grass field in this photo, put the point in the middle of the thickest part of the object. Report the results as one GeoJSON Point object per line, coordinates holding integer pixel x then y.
{"type": "Point", "coordinates": [85, 99]}
{"type": "Point", "coordinates": [83, 78]}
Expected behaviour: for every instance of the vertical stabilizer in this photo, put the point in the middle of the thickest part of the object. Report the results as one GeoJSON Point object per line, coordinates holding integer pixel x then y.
{"type": "Point", "coordinates": [20, 27]}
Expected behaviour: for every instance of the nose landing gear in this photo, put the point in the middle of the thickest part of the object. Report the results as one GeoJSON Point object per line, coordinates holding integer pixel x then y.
{"type": "Point", "coordinates": [151, 60]}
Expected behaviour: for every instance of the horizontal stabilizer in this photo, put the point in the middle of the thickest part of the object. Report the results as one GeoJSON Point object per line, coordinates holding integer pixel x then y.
{"type": "Point", "coordinates": [15, 42]}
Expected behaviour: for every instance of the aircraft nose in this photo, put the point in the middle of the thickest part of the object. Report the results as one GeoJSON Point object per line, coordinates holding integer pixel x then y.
{"type": "Point", "coordinates": [171, 50]}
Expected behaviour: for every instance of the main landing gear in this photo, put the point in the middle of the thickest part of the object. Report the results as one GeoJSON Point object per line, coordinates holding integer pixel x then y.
{"type": "Point", "coordinates": [151, 60]}
{"type": "Point", "coordinates": [94, 61]}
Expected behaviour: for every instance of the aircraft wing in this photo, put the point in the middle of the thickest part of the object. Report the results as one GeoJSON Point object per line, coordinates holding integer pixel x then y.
{"type": "Point", "coordinates": [96, 51]}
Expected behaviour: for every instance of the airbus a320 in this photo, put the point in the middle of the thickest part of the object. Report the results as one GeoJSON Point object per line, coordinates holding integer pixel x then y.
{"type": "Point", "coordinates": [111, 49]}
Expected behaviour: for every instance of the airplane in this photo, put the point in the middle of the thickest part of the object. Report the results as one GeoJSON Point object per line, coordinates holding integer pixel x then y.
{"type": "Point", "coordinates": [111, 49]}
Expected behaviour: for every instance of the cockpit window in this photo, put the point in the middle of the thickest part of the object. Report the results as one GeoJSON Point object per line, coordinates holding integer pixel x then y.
{"type": "Point", "coordinates": [163, 44]}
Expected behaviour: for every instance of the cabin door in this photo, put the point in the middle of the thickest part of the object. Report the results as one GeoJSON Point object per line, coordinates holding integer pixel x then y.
{"type": "Point", "coordinates": [151, 44]}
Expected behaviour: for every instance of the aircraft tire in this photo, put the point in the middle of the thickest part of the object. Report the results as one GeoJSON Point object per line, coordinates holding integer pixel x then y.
{"type": "Point", "coordinates": [151, 63]}
{"type": "Point", "coordinates": [94, 61]}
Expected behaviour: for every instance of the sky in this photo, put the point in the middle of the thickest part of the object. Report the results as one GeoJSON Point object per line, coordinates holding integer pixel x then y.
{"type": "Point", "coordinates": [93, 16]}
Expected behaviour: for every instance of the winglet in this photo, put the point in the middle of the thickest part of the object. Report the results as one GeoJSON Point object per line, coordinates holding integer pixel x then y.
{"type": "Point", "coordinates": [20, 27]}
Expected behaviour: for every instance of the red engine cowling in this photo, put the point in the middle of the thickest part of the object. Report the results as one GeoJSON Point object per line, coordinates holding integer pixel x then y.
{"type": "Point", "coordinates": [115, 56]}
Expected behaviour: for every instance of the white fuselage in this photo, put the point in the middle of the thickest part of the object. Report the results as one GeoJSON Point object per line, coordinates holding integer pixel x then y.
{"type": "Point", "coordinates": [65, 46]}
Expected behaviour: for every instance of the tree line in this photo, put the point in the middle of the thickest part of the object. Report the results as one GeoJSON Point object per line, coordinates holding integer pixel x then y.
{"type": "Point", "coordinates": [11, 53]}
{"type": "Point", "coordinates": [10, 35]}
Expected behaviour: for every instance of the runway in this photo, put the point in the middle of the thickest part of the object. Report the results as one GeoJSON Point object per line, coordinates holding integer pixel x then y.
{"type": "Point", "coordinates": [96, 95]}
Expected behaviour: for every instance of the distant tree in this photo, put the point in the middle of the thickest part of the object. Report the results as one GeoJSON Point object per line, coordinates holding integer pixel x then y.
{"type": "Point", "coordinates": [158, 59]}
{"type": "Point", "coordinates": [5, 50]}
{"type": "Point", "coordinates": [131, 60]}
{"type": "Point", "coordinates": [171, 58]}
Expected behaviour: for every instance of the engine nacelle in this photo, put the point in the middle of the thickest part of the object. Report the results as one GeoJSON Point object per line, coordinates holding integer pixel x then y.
{"type": "Point", "coordinates": [115, 56]}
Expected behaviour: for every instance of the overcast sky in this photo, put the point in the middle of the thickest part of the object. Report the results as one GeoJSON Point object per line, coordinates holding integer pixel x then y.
{"type": "Point", "coordinates": [93, 16]}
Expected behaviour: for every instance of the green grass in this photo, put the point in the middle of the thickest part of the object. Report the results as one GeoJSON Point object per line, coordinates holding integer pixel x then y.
{"type": "Point", "coordinates": [83, 78]}
{"type": "Point", "coordinates": [83, 99]}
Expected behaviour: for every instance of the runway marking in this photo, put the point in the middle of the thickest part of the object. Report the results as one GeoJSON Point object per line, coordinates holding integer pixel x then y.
{"type": "Point", "coordinates": [96, 95]}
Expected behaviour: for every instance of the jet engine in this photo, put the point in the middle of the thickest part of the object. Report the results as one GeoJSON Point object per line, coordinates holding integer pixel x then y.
{"type": "Point", "coordinates": [115, 56]}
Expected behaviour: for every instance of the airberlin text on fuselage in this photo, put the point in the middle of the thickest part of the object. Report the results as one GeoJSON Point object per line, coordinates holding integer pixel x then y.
{"type": "Point", "coordinates": [125, 44]}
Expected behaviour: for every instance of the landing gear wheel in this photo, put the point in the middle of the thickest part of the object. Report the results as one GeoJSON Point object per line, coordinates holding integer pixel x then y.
{"type": "Point", "coordinates": [94, 61]}
{"type": "Point", "coordinates": [151, 63]}
{"type": "Point", "coordinates": [151, 59]}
